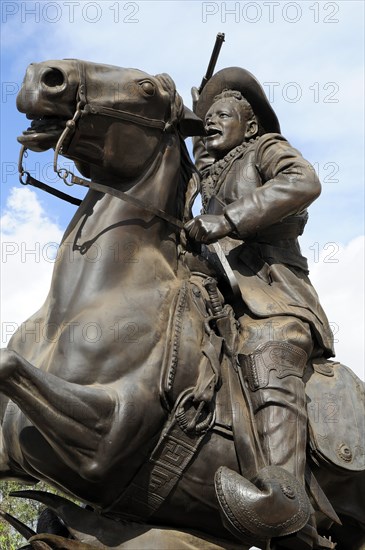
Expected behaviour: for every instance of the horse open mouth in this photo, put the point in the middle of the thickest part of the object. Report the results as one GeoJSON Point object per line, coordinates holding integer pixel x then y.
{"type": "Point", "coordinates": [43, 133]}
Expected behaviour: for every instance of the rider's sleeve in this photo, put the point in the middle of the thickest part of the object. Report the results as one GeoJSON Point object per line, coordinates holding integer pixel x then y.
{"type": "Point", "coordinates": [202, 158]}
{"type": "Point", "coordinates": [289, 185]}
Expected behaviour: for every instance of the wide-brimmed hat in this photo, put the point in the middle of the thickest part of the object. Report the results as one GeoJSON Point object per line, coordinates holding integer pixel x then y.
{"type": "Point", "coordinates": [235, 78]}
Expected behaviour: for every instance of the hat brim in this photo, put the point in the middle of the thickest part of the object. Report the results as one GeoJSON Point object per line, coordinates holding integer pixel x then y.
{"type": "Point", "coordinates": [236, 78]}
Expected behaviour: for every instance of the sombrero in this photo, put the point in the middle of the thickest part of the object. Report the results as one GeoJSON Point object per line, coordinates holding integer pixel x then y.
{"type": "Point", "coordinates": [235, 78]}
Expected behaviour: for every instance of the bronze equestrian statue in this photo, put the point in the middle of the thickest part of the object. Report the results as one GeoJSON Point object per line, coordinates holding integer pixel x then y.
{"type": "Point", "coordinates": [154, 425]}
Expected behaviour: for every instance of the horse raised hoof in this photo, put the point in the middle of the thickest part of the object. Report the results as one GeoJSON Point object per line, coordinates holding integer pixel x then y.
{"type": "Point", "coordinates": [272, 504]}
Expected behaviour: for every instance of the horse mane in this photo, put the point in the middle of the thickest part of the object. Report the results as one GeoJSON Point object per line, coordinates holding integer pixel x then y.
{"type": "Point", "coordinates": [187, 167]}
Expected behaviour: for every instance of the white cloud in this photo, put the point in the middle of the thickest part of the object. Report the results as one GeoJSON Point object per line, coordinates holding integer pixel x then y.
{"type": "Point", "coordinates": [29, 241]}
{"type": "Point", "coordinates": [337, 273]}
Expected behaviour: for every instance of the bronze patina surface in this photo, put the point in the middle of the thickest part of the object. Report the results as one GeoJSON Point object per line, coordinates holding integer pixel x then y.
{"type": "Point", "coordinates": [184, 425]}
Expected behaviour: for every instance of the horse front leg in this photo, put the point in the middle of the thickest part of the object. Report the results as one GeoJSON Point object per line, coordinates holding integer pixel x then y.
{"type": "Point", "coordinates": [74, 419]}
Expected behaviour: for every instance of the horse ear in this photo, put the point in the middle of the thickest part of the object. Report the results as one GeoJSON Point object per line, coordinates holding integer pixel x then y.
{"type": "Point", "coordinates": [191, 124]}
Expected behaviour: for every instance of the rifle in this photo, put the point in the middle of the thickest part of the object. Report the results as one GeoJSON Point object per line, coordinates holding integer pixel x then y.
{"type": "Point", "coordinates": [215, 248]}
{"type": "Point", "coordinates": [213, 60]}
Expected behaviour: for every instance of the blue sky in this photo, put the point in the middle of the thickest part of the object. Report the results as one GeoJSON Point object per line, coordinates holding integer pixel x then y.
{"type": "Point", "coordinates": [308, 56]}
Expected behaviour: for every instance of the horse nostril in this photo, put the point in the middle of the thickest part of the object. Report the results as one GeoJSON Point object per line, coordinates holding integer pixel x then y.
{"type": "Point", "coordinates": [53, 78]}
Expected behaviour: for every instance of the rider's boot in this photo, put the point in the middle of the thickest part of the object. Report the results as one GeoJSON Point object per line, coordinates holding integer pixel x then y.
{"type": "Point", "coordinates": [274, 503]}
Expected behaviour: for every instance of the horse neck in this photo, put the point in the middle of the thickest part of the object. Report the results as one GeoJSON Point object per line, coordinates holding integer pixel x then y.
{"type": "Point", "coordinates": [158, 186]}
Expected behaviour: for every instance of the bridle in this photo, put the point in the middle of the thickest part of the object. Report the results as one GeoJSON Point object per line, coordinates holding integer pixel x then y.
{"type": "Point", "coordinates": [85, 108]}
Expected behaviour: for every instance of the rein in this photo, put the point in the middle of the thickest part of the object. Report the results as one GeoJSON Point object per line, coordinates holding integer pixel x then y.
{"type": "Point", "coordinates": [84, 108]}
{"type": "Point", "coordinates": [29, 180]}
{"type": "Point", "coordinates": [76, 180]}
{"type": "Point", "coordinates": [148, 207]}
{"type": "Point", "coordinates": [215, 248]}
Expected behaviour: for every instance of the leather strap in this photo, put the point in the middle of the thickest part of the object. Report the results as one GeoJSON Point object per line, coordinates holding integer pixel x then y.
{"type": "Point", "coordinates": [319, 496]}
{"type": "Point", "coordinates": [215, 248]}
{"type": "Point", "coordinates": [248, 448]}
{"type": "Point", "coordinates": [40, 185]}
{"type": "Point", "coordinates": [159, 476]}
{"type": "Point", "coordinates": [96, 109]}
{"type": "Point", "coordinates": [127, 198]}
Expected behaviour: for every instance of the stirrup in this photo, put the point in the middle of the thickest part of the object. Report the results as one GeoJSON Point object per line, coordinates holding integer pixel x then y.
{"type": "Point", "coordinates": [273, 504]}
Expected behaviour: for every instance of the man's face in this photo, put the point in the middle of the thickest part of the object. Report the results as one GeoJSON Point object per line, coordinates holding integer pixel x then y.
{"type": "Point", "coordinates": [225, 124]}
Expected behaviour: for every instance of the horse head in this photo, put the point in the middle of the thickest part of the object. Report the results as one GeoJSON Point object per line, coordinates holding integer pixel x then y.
{"type": "Point", "coordinates": [101, 116]}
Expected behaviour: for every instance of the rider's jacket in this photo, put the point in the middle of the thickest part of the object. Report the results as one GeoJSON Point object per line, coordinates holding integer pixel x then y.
{"type": "Point", "coordinates": [264, 187]}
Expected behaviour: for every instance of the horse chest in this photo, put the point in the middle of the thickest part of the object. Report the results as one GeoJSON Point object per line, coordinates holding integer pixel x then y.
{"type": "Point", "coordinates": [110, 289]}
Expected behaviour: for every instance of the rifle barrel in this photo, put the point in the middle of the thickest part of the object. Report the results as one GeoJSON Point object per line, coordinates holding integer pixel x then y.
{"type": "Point", "coordinates": [213, 60]}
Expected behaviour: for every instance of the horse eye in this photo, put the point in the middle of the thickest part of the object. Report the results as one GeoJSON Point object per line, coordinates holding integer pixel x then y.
{"type": "Point", "coordinates": [148, 87]}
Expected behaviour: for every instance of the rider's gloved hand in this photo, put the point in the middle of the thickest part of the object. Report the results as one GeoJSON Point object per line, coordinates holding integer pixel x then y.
{"type": "Point", "coordinates": [208, 228]}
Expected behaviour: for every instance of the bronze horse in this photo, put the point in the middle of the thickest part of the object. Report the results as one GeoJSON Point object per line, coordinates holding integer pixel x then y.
{"type": "Point", "coordinates": [89, 381]}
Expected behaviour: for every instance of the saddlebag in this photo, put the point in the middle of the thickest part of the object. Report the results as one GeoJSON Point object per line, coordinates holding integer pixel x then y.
{"type": "Point", "coordinates": [336, 405]}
